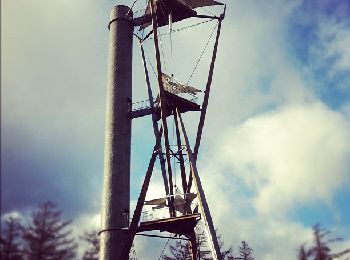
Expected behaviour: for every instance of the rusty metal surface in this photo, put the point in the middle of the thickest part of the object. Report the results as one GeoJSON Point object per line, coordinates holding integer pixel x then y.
{"type": "Point", "coordinates": [214, 244]}
{"type": "Point", "coordinates": [162, 110]}
{"type": "Point", "coordinates": [176, 225]}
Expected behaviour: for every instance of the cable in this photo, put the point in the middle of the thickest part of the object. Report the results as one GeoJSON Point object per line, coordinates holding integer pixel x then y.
{"type": "Point", "coordinates": [161, 49]}
{"type": "Point", "coordinates": [161, 254]}
{"type": "Point", "coordinates": [150, 63]}
{"type": "Point", "coordinates": [184, 28]}
{"type": "Point", "coordinates": [130, 8]}
{"type": "Point", "coordinates": [207, 11]}
{"type": "Point", "coordinates": [200, 57]}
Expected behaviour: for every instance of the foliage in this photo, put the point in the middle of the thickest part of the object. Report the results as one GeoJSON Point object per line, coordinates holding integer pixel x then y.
{"type": "Point", "coordinates": [226, 253]}
{"type": "Point", "coordinates": [303, 254]}
{"type": "Point", "coordinates": [93, 241]}
{"type": "Point", "coordinates": [10, 242]}
{"type": "Point", "coordinates": [181, 250]}
{"type": "Point", "coordinates": [320, 250]}
{"type": "Point", "coordinates": [47, 237]}
{"type": "Point", "coordinates": [245, 252]}
{"type": "Point", "coordinates": [91, 237]}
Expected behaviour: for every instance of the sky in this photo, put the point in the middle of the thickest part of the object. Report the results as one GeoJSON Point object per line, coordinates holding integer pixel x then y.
{"type": "Point", "coordinates": [275, 153]}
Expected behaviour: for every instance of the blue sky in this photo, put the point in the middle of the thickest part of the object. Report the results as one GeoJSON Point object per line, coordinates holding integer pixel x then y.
{"type": "Point", "coordinates": [275, 156]}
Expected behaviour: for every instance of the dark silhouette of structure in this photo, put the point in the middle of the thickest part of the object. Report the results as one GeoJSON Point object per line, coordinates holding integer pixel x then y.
{"type": "Point", "coordinates": [117, 235]}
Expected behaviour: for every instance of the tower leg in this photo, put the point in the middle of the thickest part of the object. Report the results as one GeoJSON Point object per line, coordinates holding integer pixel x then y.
{"type": "Point", "coordinates": [154, 121]}
{"type": "Point", "coordinates": [116, 194]}
{"type": "Point", "coordinates": [214, 245]}
{"type": "Point", "coordinates": [162, 107]}
{"type": "Point", "coordinates": [194, 246]}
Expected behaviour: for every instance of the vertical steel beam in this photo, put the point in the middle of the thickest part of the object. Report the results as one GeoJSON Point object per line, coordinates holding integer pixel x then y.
{"type": "Point", "coordinates": [116, 194]}
{"type": "Point", "coordinates": [193, 245]}
{"type": "Point", "coordinates": [162, 105]}
{"type": "Point", "coordinates": [181, 159]}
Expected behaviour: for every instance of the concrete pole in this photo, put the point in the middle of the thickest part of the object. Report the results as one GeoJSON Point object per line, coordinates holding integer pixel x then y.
{"type": "Point", "coordinates": [116, 194]}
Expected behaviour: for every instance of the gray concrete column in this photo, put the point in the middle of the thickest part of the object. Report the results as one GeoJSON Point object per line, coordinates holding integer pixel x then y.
{"type": "Point", "coordinates": [116, 193]}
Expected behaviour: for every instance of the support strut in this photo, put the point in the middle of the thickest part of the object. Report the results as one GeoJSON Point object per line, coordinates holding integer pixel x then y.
{"type": "Point", "coordinates": [214, 244]}
{"type": "Point", "coordinates": [141, 200]}
{"type": "Point", "coordinates": [206, 97]}
{"type": "Point", "coordinates": [162, 106]}
{"type": "Point", "coordinates": [154, 120]}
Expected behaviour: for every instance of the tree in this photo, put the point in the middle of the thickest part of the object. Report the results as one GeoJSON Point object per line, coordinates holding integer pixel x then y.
{"type": "Point", "coordinates": [226, 254]}
{"type": "Point", "coordinates": [47, 237]}
{"type": "Point", "coordinates": [321, 249]}
{"type": "Point", "coordinates": [10, 244]}
{"type": "Point", "coordinates": [245, 252]}
{"type": "Point", "coordinates": [303, 253]}
{"type": "Point", "coordinates": [93, 241]}
{"type": "Point", "coordinates": [181, 250]}
{"type": "Point", "coordinates": [91, 237]}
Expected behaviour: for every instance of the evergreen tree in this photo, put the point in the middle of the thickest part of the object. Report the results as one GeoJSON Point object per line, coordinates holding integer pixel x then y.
{"type": "Point", "coordinates": [93, 241]}
{"type": "Point", "coordinates": [303, 254]}
{"type": "Point", "coordinates": [245, 252]}
{"type": "Point", "coordinates": [91, 237]}
{"type": "Point", "coordinates": [47, 237]}
{"type": "Point", "coordinates": [226, 254]}
{"type": "Point", "coordinates": [181, 250]}
{"type": "Point", "coordinates": [321, 249]}
{"type": "Point", "coordinates": [10, 243]}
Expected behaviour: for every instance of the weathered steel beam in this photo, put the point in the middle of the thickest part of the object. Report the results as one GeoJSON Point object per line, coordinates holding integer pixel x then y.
{"type": "Point", "coordinates": [205, 212]}
{"type": "Point", "coordinates": [154, 120]}
{"type": "Point", "coordinates": [143, 112]}
{"type": "Point", "coordinates": [162, 107]}
{"type": "Point", "coordinates": [206, 97]}
{"type": "Point", "coordinates": [194, 245]}
{"type": "Point", "coordinates": [181, 159]}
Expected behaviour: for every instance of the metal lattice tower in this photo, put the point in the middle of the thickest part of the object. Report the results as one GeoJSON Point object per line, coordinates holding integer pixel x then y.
{"type": "Point", "coordinates": [117, 235]}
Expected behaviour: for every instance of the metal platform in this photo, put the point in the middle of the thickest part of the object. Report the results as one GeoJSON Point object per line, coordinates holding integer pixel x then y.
{"type": "Point", "coordinates": [171, 100]}
{"type": "Point", "coordinates": [182, 104]}
{"type": "Point", "coordinates": [164, 7]}
{"type": "Point", "coordinates": [177, 225]}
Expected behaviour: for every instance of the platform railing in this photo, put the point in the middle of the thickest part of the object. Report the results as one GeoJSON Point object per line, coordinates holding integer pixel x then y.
{"type": "Point", "coordinates": [152, 213]}
{"type": "Point", "coordinates": [140, 105]}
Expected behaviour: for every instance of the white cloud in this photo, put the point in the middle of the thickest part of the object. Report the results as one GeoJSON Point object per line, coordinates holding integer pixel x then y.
{"type": "Point", "coordinates": [85, 223]}
{"type": "Point", "coordinates": [297, 154]}
{"type": "Point", "coordinates": [328, 51]}
{"type": "Point", "coordinates": [12, 214]}
{"type": "Point", "coordinates": [263, 169]}
{"type": "Point", "coordinates": [254, 71]}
